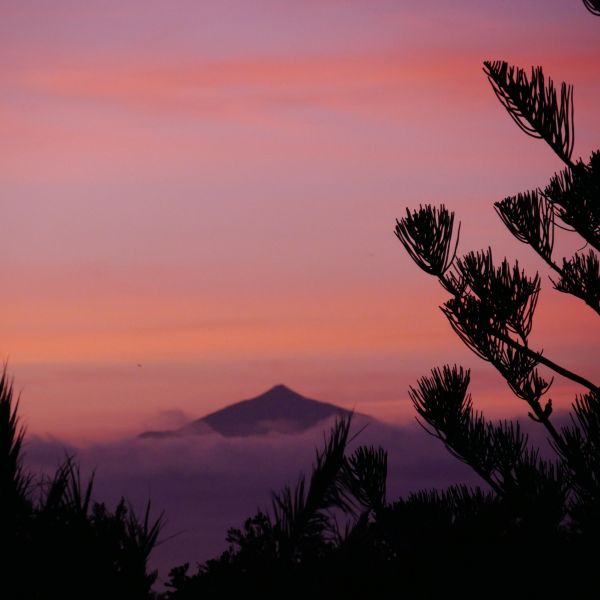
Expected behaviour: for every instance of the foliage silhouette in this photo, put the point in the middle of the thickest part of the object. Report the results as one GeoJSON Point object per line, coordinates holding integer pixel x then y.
{"type": "Point", "coordinates": [57, 542]}
{"type": "Point", "coordinates": [492, 311]}
{"type": "Point", "coordinates": [301, 532]}
{"type": "Point", "coordinates": [534, 105]}
{"type": "Point", "coordinates": [425, 545]}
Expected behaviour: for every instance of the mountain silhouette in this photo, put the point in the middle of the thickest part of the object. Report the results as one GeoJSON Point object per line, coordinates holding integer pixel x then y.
{"type": "Point", "coordinates": [279, 410]}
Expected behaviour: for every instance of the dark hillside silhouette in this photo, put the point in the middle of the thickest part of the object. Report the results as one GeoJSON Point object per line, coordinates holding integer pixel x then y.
{"type": "Point", "coordinates": [279, 409]}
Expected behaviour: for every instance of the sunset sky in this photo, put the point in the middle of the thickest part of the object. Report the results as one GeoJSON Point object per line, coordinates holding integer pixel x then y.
{"type": "Point", "coordinates": [209, 190]}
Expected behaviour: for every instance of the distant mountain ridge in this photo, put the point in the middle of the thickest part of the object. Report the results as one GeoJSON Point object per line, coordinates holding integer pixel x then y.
{"type": "Point", "coordinates": [279, 410]}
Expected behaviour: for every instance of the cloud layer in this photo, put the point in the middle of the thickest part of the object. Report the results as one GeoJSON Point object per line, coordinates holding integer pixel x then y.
{"type": "Point", "coordinates": [207, 483]}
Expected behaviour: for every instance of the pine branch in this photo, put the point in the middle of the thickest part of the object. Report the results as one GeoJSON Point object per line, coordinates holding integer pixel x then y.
{"type": "Point", "coordinates": [580, 276]}
{"type": "Point", "coordinates": [579, 446]}
{"type": "Point", "coordinates": [477, 320]}
{"type": "Point", "coordinates": [426, 234]}
{"type": "Point", "coordinates": [534, 106]}
{"type": "Point", "coordinates": [498, 452]}
{"type": "Point", "coordinates": [508, 293]}
{"type": "Point", "coordinates": [442, 402]}
{"type": "Point", "coordinates": [487, 342]}
{"type": "Point", "coordinates": [530, 218]}
{"type": "Point", "coordinates": [593, 6]}
{"type": "Point", "coordinates": [575, 196]}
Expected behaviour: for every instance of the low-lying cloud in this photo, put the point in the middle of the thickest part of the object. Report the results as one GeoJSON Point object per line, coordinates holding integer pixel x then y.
{"type": "Point", "coordinates": [208, 483]}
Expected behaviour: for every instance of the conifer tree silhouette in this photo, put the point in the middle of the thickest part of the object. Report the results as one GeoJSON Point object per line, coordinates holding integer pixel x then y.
{"type": "Point", "coordinates": [491, 308]}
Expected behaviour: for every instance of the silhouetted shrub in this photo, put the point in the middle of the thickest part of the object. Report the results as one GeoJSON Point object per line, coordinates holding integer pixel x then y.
{"type": "Point", "coordinates": [57, 542]}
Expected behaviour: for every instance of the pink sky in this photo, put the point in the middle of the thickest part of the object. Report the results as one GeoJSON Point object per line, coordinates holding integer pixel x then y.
{"type": "Point", "coordinates": [210, 190]}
